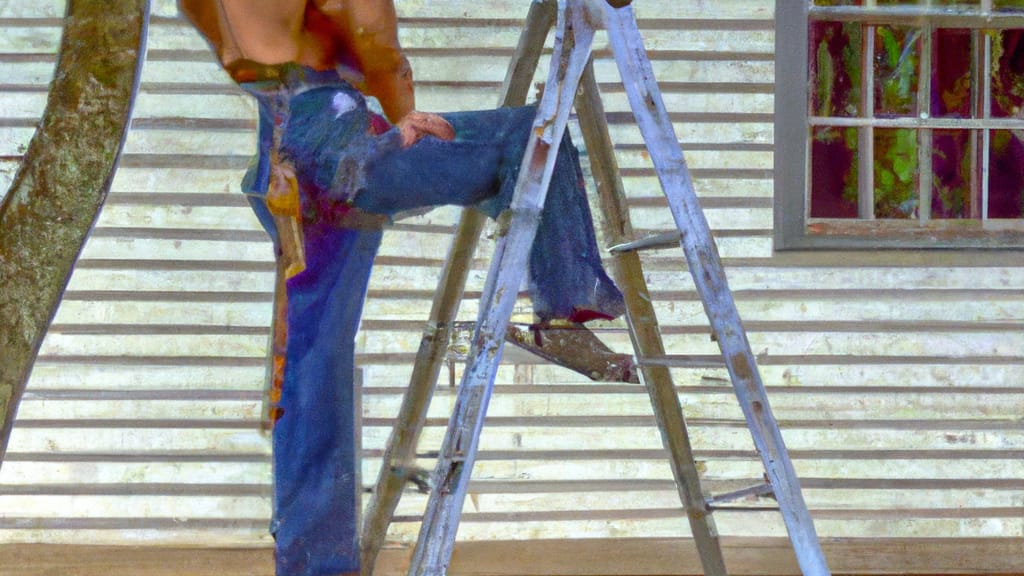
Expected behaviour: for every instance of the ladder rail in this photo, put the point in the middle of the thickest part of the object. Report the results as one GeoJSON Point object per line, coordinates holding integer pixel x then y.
{"type": "Point", "coordinates": [642, 322]}
{"type": "Point", "coordinates": [412, 414]}
{"type": "Point", "coordinates": [709, 277]}
{"type": "Point", "coordinates": [454, 466]}
{"type": "Point", "coordinates": [402, 443]}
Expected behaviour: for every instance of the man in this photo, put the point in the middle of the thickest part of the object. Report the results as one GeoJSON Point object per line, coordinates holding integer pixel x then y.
{"type": "Point", "coordinates": [329, 172]}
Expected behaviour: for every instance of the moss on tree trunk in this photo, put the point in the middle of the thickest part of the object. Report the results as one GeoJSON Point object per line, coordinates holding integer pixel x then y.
{"type": "Point", "coordinates": [63, 179]}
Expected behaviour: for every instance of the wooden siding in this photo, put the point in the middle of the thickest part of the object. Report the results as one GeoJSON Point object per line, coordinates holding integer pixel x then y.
{"type": "Point", "coordinates": [898, 377]}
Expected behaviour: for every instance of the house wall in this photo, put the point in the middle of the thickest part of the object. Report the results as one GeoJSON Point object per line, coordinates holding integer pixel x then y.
{"type": "Point", "coordinates": [897, 377]}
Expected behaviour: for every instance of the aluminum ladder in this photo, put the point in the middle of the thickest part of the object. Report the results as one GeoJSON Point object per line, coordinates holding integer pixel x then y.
{"type": "Point", "coordinates": [571, 70]}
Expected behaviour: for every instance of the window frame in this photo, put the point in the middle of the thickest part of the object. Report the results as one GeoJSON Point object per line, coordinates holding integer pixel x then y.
{"type": "Point", "coordinates": [792, 156]}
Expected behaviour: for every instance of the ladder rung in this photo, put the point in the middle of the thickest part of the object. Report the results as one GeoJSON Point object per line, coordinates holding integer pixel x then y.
{"type": "Point", "coordinates": [742, 508]}
{"type": "Point", "coordinates": [715, 503]}
{"type": "Point", "coordinates": [684, 361]}
{"type": "Point", "coordinates": [656, 242]}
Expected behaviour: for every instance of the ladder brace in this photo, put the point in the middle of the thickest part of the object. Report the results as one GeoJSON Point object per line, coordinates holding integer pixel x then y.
{"type": "Point", "coordinates": [716, 502]}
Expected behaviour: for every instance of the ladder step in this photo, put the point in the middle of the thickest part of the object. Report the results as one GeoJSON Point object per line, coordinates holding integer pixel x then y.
{"type": "Point", "coordinates": [742, 508]}
{"type": "Point", "coordinates": [571, 346]}
{"type": "Point", "coordinates": [717, 502]}
{"type": "Point", "coordinates": [656, 242]}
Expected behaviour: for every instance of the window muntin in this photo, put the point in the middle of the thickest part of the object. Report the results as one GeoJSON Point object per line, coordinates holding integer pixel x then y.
{"type": "Point", "coordinates": [886, 158]}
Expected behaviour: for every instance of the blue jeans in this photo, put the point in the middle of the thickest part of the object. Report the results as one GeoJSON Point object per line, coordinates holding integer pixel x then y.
{"type": "Point", "coordinates": [341, 164]}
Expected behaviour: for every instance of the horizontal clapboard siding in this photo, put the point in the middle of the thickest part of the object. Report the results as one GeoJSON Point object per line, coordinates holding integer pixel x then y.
{"type": "Point", "coordinates": [898, 379]}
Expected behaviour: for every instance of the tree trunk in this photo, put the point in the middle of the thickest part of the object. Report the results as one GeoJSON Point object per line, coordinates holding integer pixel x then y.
{"type": "Point", "coordinates": [63, 179]}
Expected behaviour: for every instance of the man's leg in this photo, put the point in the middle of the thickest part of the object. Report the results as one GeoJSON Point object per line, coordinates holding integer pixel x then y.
{"type": "Point", "coordinates": [316, 499]}
{"type": "Point", "coordinates": [480, 168]}
{"type": "Point", "coordinates": [567, 280]}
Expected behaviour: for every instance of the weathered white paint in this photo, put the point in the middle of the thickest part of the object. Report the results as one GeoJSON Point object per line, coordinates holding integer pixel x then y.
{"type": "Point", "coordinates": [884, 368]}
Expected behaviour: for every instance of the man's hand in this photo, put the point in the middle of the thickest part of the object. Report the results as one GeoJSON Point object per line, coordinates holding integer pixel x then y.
{"type": "Point", "coordinates": [416, 125]}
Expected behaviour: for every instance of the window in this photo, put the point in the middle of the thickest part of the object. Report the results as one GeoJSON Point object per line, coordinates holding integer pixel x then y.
{"type": "Point", "coordinates": [899, 123]}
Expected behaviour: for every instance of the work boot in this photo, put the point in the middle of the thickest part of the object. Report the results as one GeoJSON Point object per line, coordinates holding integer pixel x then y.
{"type": "Point", "coordinates": [573, 346]}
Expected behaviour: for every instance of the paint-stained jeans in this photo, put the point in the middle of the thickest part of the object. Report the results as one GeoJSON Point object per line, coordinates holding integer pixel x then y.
{"type": "Point", "coordinates": [327, 133]}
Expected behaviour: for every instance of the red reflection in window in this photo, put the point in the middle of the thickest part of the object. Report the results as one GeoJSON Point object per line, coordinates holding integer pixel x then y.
{"type": "Point", "coordinates": [835, 68]}
{"type": "Point", "coordinates": [1008, 73]}
{"type": "Point", "coordinates": [951, 73]}
{"type": "Point", "coordinates": [833, 172]}
{"type": "Point", "coordinates": [1006, 175]}
{"type": "Point", "coordinates": [951, 167]}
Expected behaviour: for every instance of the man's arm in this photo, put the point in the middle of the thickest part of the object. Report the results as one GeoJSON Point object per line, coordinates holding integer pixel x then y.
{"type": "Point", "coordinates": [370, 31]}
{"type": "Point", "coordinates": [277, 31]}
{"type": "Point", "coordinates": [320, 34]}
{"type": "Point", "coordinates": [264, 31]}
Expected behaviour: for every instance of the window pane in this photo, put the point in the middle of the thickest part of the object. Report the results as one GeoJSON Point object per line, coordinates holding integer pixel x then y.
{"type": "Point", "coordinates": [833, 172]}
{"type": "Point", "coordinates": [951, 174]}
{"type": "Point", "coordinates": [895, 173]}
{"type": "Point", "coordinates": [1006, 175]}
{"type": "Point", "coordinates": [897, 55]}
{"type": "Point", "coordinates": [932, 2]}
{"type": "Point", "coordinates": [835, 50]}
{"type": "Point", "coordinates": [1009, 5]}
{"type": "Point", "coordinates": [951, 73]}
{"type": "Point", "coordinates": [1006, 153]}
{"type": "Point", "coordinates": [1007, 73]}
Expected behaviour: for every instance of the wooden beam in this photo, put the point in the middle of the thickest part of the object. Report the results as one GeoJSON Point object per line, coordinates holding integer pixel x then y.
{"type": "Point", "coordinates": [643, 323]}
{"type": "Point", "coordinates": [607, 557]}
{"type": "Point", "coordinates": [64, 179]}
